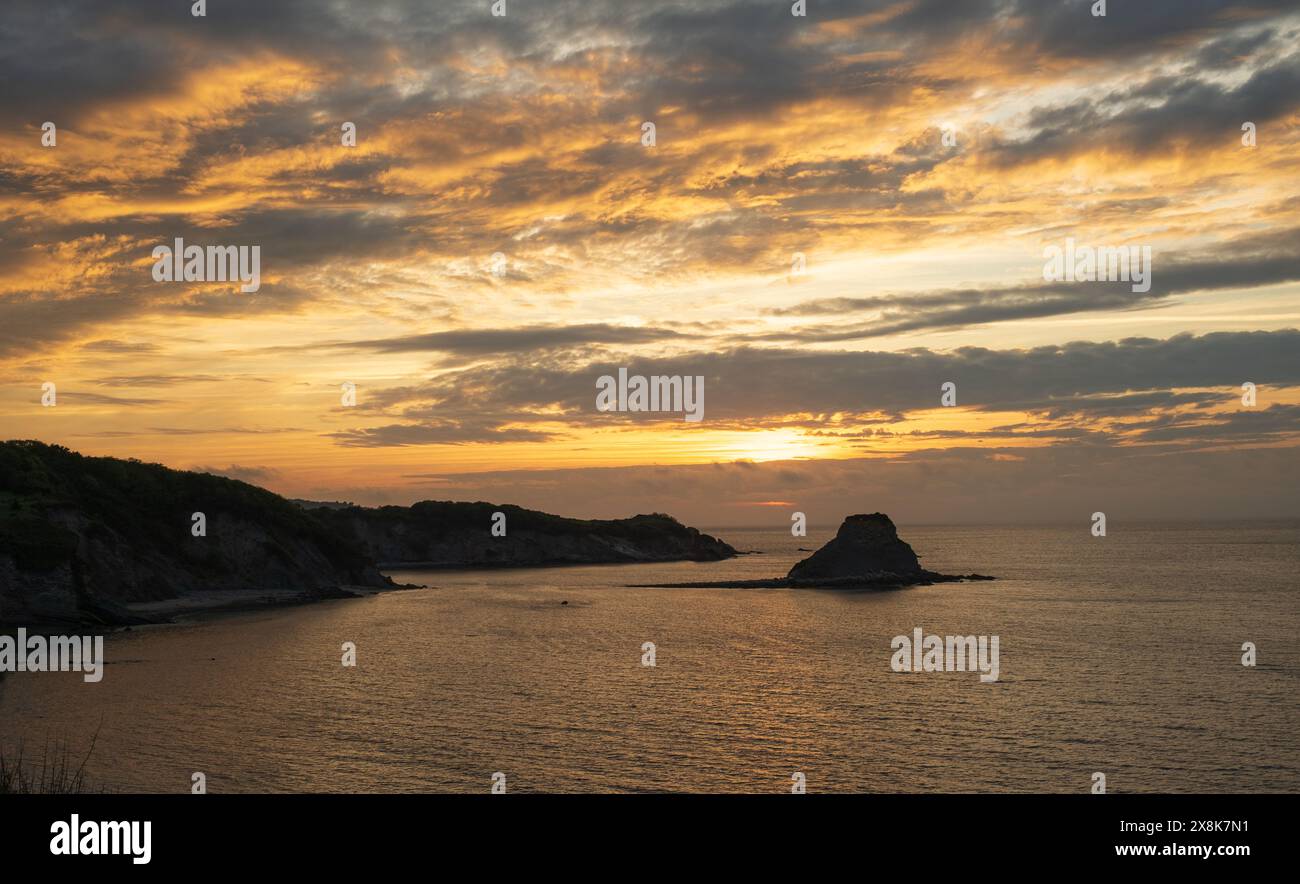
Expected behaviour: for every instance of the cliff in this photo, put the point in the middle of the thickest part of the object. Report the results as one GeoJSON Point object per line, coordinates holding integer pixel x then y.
{"type": "Point", "coordinates": [83, 537]}
{"type": "Point", "coordinates": [441, 534]}
{"type": "Point", "coordinates": [102, 540]}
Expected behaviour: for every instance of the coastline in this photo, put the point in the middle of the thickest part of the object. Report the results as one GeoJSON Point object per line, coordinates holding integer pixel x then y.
{"type": "Point", "coordinates": [196, 605]}
{"type": "Point", "coordinates": [125, 615]}
{"type": "Point", "coordinates": [236, 600]}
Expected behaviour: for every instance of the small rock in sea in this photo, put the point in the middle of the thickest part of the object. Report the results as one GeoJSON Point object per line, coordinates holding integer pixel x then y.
{"type": "Point", "coordinates": [866, 553]}
{"type": "Point", "coordinates": [865, 544]}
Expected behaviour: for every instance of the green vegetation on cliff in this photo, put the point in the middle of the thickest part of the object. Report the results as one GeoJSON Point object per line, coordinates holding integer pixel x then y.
{"type": "Point", "coordinates": [80, 536]}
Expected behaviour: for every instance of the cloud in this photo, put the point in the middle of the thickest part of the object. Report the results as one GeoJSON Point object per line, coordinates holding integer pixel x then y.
{"type": "Point", "coordinates": [502, 340]}
{"type": "Point", "coordinates": [1267, 259]}
{"type": "Point", "coordinates": [437, 433]}
{"type": "Point", "coordinates": [978, 484]}
{"type": "Point", "coordinates": [776, 134]}
{"type": "Point", "coordinates": [520, 134]}
{"type": "Point", "coordinates": [1158, 116]}
{"type": "Point", "coordinates": [1077, 383]}
{"type": "Point", "coordinates": [156, 380]}
{"type": "Point", "coordinates": [80, 396]}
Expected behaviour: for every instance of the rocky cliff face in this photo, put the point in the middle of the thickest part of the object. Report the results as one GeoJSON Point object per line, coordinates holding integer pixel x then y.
{"type": "Point", "coordinates": [865, 545]}
{"type": "Point", "coordinates": [82, 537]}
{"type": "Point", "coordinates": [436, 534]}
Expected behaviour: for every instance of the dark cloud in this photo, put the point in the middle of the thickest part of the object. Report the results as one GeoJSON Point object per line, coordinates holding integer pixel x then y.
{"type": "Point", "coordinates": [755, 387]}
{"type": "Point", "coordinates": [1157, 116]}
{"type": "Point", "coordinates": [1067, 28]}
{"type": "Point", "coordinates": [155, 380]}
{"type": "Point", "coordinates": [974, 483]}
{"type": "Point", "coordinates": [446, 432]}
{"type": "Point", "coordinates": [1277, 422]}
{"type": "Point", "coordinates": [512, 340]}
{"type": "Point", "coordinates": [1265, 259]}
{"type": "Point", "coordinates": [695, 67]}
{"type": "Point", "coordinates": [81, 397]}
{"type": "Point", "coordinates": [112, 346]}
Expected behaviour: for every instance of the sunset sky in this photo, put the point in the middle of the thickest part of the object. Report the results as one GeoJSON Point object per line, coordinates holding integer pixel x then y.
{"type": "Point", "coordinates": [776, 135]}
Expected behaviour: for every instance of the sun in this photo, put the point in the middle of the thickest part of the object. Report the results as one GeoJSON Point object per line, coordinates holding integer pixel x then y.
{"type": "Point", "coordinates": [765, 445]}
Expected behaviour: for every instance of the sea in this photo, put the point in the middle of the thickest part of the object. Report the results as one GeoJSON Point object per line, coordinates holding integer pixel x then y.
{"type": "Point", "coordinates": [1120, 655]}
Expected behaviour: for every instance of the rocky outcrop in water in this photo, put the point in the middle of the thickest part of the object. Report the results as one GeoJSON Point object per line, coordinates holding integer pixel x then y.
{"type": "Point", "coordinates": [865, 545]}
{"type": "Point", "coordinates": [866, 553]}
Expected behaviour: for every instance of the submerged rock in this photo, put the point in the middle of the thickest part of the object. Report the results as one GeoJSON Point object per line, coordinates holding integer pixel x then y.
{"type": "Point", "coordinates": [865, 545]}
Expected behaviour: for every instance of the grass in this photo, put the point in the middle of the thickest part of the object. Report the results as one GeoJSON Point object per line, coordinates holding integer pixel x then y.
{"type": "Point", "coordinates": [58, 772]}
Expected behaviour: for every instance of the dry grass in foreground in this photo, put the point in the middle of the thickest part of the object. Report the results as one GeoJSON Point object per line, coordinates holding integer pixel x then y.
{"type": "Point", "coordinates": [57, 773]}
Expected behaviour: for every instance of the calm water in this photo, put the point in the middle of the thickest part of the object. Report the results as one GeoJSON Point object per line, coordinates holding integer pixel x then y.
{"type": "Point", "coordinates": [1119, 655]}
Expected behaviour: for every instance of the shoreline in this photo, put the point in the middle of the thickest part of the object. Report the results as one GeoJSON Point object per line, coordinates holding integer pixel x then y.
{"type": "Point", "coordinates": [229, 601]}
{"type": "Point", "coordinates": [130, 615]}
{"type": "Point", "coordinates": [166, 612]}
{"type": "Point", "coordinates": [233, 601]}
{"type": "Point", "coordinates": [199, 605]}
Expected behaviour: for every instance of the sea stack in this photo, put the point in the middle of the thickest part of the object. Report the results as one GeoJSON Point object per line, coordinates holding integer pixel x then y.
{"type": "Point", "coordinates": [866, 554]}
{"type": "Point", "coordinates": [866, 546]}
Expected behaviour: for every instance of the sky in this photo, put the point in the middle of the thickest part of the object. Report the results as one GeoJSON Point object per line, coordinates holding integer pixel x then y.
{"type": "Point", "coordinates": [840, 213]}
